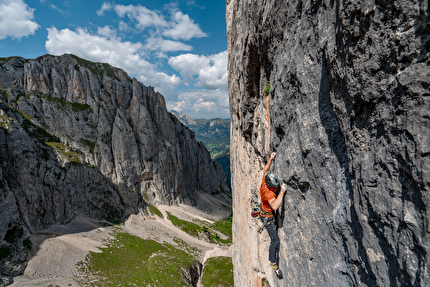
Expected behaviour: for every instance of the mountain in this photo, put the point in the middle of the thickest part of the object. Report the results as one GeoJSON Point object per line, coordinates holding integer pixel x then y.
{"type": "Point", "coordinates": [78, 137]}
{"type": "Point", "coordinates": [340, 91]}
{"type": "Point", "coordinates": [186, 120]}
{"type": "Point", "coordinates": [214, 134]}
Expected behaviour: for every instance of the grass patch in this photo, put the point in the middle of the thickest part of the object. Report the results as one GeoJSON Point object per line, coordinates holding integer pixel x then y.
{"type": "Point", "coordinates": [25, 115]}
{"type": "Point", "coordinates": [99, 69]}
{"type": "Point", "coordinates": [218, 271]}
{"type": "Point", "coordinates": [4, 60]}
{"type": "Point", "coordinates": [186, 226]}
{"type": "Point", "coordinates": [76, 107]}
{"type": "Point", "coordinates": [265, 282]}
{"type": "Point", "coordinates": [223, 226]}
{"type": "Point", "coordinates": [37, 132]}
{"type": "Point", "coordinates": [4, 122]}
{"type": "Point", "coordinates": [192, 250]}
{"type": "Point", "coordinates": [155, 211]}
{"type": "Point", "coordinates": [131, 261]}
{"type": "Point", "coordinates": [266, 89]}
{"type": "Point", "coordinates": [88, 144]}
{"type": "Point", "coordinates": [65, 151]}
{"type": "Point", "coordinates": [5, 95]}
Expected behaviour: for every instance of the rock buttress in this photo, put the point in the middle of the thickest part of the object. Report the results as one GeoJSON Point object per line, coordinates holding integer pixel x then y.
{"type": "Point", "coordinates": [348, 113]}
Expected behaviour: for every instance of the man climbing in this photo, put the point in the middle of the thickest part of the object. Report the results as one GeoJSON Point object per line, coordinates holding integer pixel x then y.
{"type": "Point", "coordinates": [269, 203]}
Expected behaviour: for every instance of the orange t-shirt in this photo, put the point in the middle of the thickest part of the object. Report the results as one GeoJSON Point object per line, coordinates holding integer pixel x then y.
{"type": "Point", "coordinates": [266, 195]}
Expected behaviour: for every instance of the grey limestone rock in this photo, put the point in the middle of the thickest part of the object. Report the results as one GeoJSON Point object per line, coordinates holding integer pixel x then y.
{"type": "Point", "coordinates": [78, 137]}
{"type": "Point", "coordinates": [348, 113]}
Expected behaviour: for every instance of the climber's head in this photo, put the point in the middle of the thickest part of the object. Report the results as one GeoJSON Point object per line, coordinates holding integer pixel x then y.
{"type": "Point", "coordinates": [271, 180]}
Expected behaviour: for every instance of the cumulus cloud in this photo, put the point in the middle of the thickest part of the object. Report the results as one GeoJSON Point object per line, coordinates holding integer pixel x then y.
{"type": "Point", "coordinates": [163, 45]}
{"type": "Point", "coordinates": [105, 7]}
{"type": "Point", "coordinates": [208, 72]}
{"type": "Point", "coordinates": [123, 26]}
{"type": "Point", "coordinates": [107, 32]}
{"type": "Point", "coordinates": [143, 16]}
{"type": "Point", "coordinates": [202, 103]}
{"type": "Point", "coordinates": [182, 27]}
{"type": "Point", "coordinates": [16, 19]}
{"type": "Point", "coordinates": [163, 83]}
{"type": "Point", "coordinates": [178, 27]}
{"type": "Point", "coordinates": [211, 71]}
{"type": "Point", "coordinates": [96, 48]}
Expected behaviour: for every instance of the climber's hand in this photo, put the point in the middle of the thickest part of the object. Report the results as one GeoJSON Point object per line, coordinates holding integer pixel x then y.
{"type": "Point", "coordinates": [272, 156]}
{"type": "Point", "coordinates": [283, 188]}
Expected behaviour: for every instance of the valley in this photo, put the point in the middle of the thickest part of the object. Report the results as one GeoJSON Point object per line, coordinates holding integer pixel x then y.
{"type": "Point", "coordinates": [146, 249]}
{"type": "Point", "coordinates": [214, 134]}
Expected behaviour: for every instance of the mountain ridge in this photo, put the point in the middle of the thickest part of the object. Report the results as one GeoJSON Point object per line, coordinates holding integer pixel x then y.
{"type": "Point", "coordinates": [78, 137]}
{"type": "Point", "coordinates": [215, 135]}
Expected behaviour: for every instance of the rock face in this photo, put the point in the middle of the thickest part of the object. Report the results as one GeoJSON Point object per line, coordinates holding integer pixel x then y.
{"type": "Point", "coordinates": [78, 137]}
{"type": "Point", "coordinates": [348, 113]}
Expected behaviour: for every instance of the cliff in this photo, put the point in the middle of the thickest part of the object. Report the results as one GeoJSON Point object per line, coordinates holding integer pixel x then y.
{"type": "Point", "coordinates": [78, 137]}
{"type": "Point", "coordinates": [348, 113]}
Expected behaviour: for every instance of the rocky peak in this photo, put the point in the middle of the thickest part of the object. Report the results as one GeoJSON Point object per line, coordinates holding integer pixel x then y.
{"type": "Point", "coordinates": [78, 137]}
{"type": "Point", "coordinates": [183, 118]}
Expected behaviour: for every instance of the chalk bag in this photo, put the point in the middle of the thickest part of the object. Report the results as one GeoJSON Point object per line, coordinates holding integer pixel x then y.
{"type": "Point", "coordinates": [255, 212]}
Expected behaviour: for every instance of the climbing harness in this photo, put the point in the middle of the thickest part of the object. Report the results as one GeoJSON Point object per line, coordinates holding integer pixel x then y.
{"type": "Point", "coordinates": [266, 217]}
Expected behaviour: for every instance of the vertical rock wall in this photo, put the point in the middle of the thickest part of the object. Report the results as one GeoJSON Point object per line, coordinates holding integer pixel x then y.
{"type": "Point", "coordinates": [348, 113]}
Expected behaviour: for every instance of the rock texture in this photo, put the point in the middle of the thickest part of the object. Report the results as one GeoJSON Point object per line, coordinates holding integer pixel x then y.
{"type": "Point", "coordinates": [78, 137]}
{"type": "Point", "coordinates": [348, 113]}
{"type": "Point", "coordinates": [214, 134]}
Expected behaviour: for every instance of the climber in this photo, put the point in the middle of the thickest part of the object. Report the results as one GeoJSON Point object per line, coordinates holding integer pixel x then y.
{"type": "Point", "coordinates": [270, 202]}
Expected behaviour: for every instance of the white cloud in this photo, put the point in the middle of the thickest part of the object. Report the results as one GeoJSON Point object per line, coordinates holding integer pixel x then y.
{"type": "Point", "coordinates": [16, 19]}
{"type": "Point", "coordinates": [107, 32]}
{"type": "Point", "coordinates": [62, 12]}
{"type": "Point", "coordinates": [179, 27]}
{"type": "Point", "coordinates": [211, 71]}
{"type": "Point", "coordinates": [183, 27]}
{"type": "Point", "coordinates": [122, 26]}
{"type": "Point", "coordinates": [163, 45]}
{"type": "Point", "coordinates": [202, 103]}
{"type": "Point", "coordinates": [163, 83]}
{"type": "Point", "coordinates": [145, 18]}
{"type": "Point", "coordinates": [105, 7]}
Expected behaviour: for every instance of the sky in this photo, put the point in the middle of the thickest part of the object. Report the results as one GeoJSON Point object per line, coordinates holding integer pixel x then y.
{"type": "Point", "coordinates": [178, 47]}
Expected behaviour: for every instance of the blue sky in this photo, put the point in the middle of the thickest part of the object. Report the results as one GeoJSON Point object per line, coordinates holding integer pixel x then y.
{"type": "Point", "coordinates": [179, 47]}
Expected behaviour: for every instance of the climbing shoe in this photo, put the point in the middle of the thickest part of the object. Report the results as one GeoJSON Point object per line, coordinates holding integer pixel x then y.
{"type": "Point", "coordinates": [276, 270]}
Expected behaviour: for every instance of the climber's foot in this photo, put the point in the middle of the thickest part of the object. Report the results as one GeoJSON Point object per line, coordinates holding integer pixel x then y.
{"type": "Point", "coordinates": [276, 270]}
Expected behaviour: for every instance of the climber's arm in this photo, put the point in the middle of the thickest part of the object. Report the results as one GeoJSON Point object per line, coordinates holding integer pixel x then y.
{"type": "Point", "coordinates": [276, 202]}
{"type": "Point", "coordinates": [269, 163]}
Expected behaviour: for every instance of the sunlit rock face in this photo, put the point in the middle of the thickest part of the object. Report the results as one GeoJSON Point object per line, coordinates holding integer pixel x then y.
{"type": "Point", "coordinates": [78, 137]}
{"type": "Point", "coordinates": [348, 113]}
